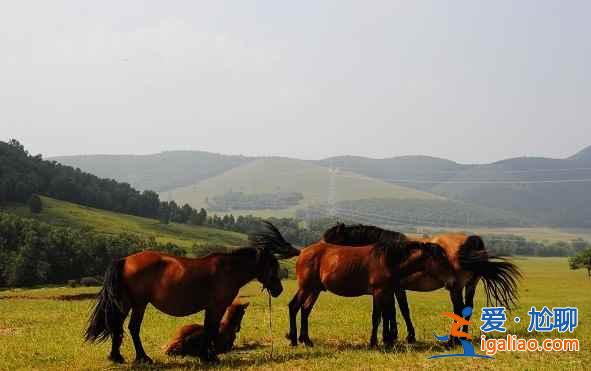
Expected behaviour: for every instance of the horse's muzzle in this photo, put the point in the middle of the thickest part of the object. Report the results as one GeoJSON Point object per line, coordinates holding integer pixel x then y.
{"type": "Point", "coordinates": [275, 290]}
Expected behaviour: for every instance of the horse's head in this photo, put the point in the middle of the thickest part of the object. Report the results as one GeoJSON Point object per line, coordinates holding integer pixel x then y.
{"type": "Point", "coordinates": [271, 245]}
{"type": "Point", "coordinates": [268, 272]}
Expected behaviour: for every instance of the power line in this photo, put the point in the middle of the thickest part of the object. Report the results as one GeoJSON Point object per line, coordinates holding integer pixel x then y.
{"type": "Point", "coordinates": [585, 180]}
{"type": "Point", "coordinates": [458, 171]}
{"type": "Point", "coordinates": [491, 181]}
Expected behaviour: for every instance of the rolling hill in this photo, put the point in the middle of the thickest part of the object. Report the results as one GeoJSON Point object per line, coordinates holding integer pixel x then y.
{"type": "Point", "coordinates": [420, 168]}
{"type": "Point", "coordinates": [288, 175]}
{"type": "Point", "coordinates": [72, 215]}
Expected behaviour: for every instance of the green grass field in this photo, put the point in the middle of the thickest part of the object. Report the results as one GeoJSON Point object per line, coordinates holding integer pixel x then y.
{"type": "Point", "coordinates": [77, 216]}
{"type": "Point", "coordinates": [39, 332]}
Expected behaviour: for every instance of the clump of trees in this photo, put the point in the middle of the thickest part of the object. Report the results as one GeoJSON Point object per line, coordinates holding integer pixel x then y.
{"type": "Point", "coordinates": [517, 245]}
{"type": "Point", "coordinates": [243, 201]}
{"type": "Point", "coordinates": [582, 260]}
{"type": "Point", "coordinates": [36, 253]}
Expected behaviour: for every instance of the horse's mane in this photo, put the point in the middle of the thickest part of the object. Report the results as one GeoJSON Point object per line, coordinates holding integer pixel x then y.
{"type": "Point", "coordinates": [394, 245]}
{"type": "Point", "coordinates": [242, 251]}
{"type": "Point", "coordinates": [361, 235]}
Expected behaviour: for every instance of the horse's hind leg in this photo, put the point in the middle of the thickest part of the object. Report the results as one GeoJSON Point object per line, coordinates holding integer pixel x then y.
{"type": "Point", "coordinates": [135, 323]}
{"type": "Point", "coordinates": [403, 305]}
{"type": "Point", "coordinates": [307, 306]}
{"type": "Point", "coordinates": [294, 306]}
{"type": "Point", "coordinates": [117, 339]}
{"type": "Point", "coordinates": [457, 300]}
{"type": "Point", "coordinates": [470, 291]}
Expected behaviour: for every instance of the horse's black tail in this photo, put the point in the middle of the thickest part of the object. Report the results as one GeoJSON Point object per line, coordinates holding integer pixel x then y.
{"type": "Point", "coordinates": [271, 239]}
{"type": "Point", "coordinates": [499, 275]}
{"type": "Point", "coordinates": [108, 314]}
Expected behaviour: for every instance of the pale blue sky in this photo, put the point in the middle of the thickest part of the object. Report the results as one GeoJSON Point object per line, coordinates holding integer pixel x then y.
{"type": "Point", "coordinates": [471, 81]}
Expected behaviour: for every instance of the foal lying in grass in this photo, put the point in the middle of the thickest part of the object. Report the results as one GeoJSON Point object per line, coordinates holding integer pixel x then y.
{"type": "Point", "coordinates": [188, 339]}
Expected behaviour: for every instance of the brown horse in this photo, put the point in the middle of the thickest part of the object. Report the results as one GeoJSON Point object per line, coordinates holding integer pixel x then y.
{"type": "Point", "coordinates": [360, 260]}
{"type": "Point", "coordinates": [470, 263]}
{"type": "Point", "coordinates": [182, 286]}
{"type": "Point", "coordinates": [188, 339]}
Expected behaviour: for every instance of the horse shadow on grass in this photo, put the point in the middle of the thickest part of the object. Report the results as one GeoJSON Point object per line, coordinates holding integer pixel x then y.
{"type": "Point", "coordinates": [238, 358]}
{"type": "Point", "coordinates": [397, 347]}
{"type": "Point", "coordinates": [235, 363]}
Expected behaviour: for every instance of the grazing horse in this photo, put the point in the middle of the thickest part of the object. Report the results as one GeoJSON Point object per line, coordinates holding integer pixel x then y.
{"type": "Point", "coordinates": [183, 286]}
{"type": "Point", "coordinates": [188, 339]}
{"type": "Point", "coordinates": [470, 263]}
{"type": "Point", "coordinates": [355, 261]}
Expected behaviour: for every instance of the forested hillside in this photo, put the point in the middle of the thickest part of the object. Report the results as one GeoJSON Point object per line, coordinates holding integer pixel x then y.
{"type": "Point", "coordinates": [23, 175]}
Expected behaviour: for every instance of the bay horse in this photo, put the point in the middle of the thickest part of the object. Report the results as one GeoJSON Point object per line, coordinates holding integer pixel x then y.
{"type": "Point", "coordinates": [182, 286]}
{"type": "Point", "coordinates": [355, 261]}
{"type": "Point", "coordinates": [188, 339]}
{"type": "Point", "coordinates": [470, 263]}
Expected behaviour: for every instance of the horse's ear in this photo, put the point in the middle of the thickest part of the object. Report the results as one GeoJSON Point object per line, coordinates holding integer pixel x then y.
{"type": "Point", "coordinates": [270, 239]}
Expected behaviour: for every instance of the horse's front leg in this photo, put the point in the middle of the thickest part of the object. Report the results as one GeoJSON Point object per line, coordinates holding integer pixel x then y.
{"type": "Point", "coordinates": [389, 328]}
{"type": "Point", "coordinates": [375, 323]}
{"type": "Point", "coordinates": [294, 306]}
{"type": "Point", "coordinates": [207, 352]}
{"type": "Point", "coordinates": [383, 304]}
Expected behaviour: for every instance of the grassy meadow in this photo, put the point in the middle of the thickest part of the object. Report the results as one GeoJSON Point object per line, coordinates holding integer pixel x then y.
{"type": "Point", "coordinates": [102, 221]}
{"type": "Point", "coordinates": [40, 332]}
{"type": "Point", "coordinates": [281, 174]}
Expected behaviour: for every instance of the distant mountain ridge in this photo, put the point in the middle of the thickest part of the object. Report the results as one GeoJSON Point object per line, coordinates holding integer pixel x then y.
{"type": "Point", "coordinates": [582, 155]}
{"type": "Point", "coordinates": [158, 172]}
{"type": "Point", "coordinates": [544, 190]}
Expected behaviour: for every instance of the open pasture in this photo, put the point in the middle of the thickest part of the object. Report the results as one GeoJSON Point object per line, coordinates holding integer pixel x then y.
{"type": "Point", "coordinates": [40, 330]}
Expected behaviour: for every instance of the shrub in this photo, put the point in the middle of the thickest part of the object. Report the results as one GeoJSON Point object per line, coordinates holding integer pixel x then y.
{"type": "Point", "coordinates": [35, 204]}
{"type": "Point", "coordinates": [72, 283]}
{"type": "Point", "coordinates": [90, 281]}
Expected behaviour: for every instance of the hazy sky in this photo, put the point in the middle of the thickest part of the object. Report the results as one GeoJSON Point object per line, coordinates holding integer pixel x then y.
{"type": "Point", "coordinates": [472, 81]}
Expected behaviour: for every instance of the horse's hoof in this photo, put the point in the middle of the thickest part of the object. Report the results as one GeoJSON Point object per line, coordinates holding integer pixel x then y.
{"type": "Point", "coordinates": [411, 339]}
{"type": "Point", "coordinates": [292, 339]}
{"type": "Point", "coordinates": [373, 344]}
{"type": "Point", "coordinates": [209, 358]}
{"type": "Point", "coordinates": [212, 359]}
{"type": "Point", "coordinates": [116, 358]}
{"type": "Point", "coordinates": [452, 342]}
{"type": "Point", "coordinates": [307, 342]}
{"type": "Point", "coordinates": [144, 360]}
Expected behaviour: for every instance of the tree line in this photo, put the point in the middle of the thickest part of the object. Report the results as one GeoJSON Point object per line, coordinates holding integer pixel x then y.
{"type": "Point", "coordinates": [517, 245]}
{"type": "Point", "coordinates": [304, 233]}
{"type": "Point", "coordinates": [36, 253]}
